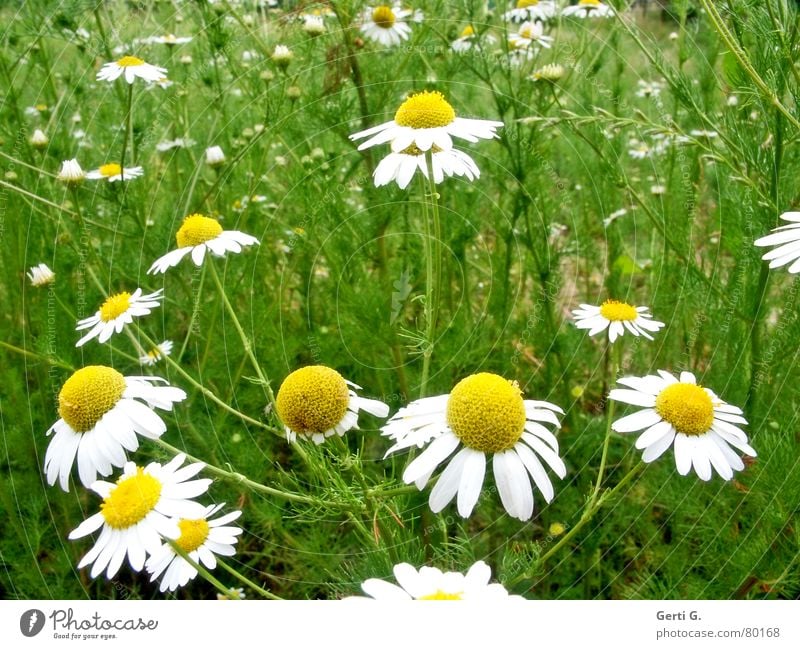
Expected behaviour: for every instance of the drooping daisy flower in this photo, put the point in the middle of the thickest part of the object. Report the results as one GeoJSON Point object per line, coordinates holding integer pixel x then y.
{"type": "Point", "coordinates": [112, 172]}
{"type": "Point", "coordinates": [387, 25]}
{"type": "Point", "coordinates": [201, 538]}
{"type": "Point", "coordinates": [71, 172]}
{"type": "Point", "coordinates": [313, 25]}
{"type": "Point", "coordinates": [39, 140]}
{"type": "Point", "coordinates": [786, 238]}
{"type": "Point", "coordinates": [530, 37]}
{"type": "Point", "coordinates": [431, 583]}
{"type": "Point", "coordinates": [41, 275]}
{"type": "Point", "coordinates": [551, 72]}
{"type": "Point", "coordinates": [588, 9]}
{"type": "Point", "coordinates": [426, 119]}
{"type": "Point", "coordinates": [101, 414]}
{"type": "Point", "coordinates": [157, 353]}
{"type": "Point", "coordinates": [315, 402]}
{"type": "Point", "coordinates": [143, 506]}
{"type": "Point", "coordinates": [483, 415]}
{"type": "Point", "coordinates": [197, 235]}
{"type": "Point", "coordinates": [170, 40]}
{"type": "Point", "coordinates": [117, 311]}
{"type": "Point", "coordinates": [131, 67]}
{"type": "Point", "coordinates": [617, 317]}
{"type": "Point", "coordinates": [400, 167]}
{"type": "Point", "coordinates": [531, 10]}
{"type": "Point", "coordinates": [215, 156]}
{"type": "Point", "coordinates": [701, 426]}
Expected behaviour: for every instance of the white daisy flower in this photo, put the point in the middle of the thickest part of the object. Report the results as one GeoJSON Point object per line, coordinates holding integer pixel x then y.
{"type": "Point", "coordinates": [617, 317]}
{"type": "Point", "coordinates": [426, 119]}
{"type": "Point", "coordinates": [400, 167]}
{"type": "Point", "coordinates": [588, 9]}
{"type": "Point", "coordinates": [232, 593]}
{"type": "Point", "coordinates": [131, 67]}
{"type": "Point", "coordinates": [431, 583]}
{"type": "Point", "coordinates": [315, 402]}
{"type": "Point", "coordinates": [140, 509]}
{"type": "Point", "coordinates": [531, 10]}
{"type": "Point", "coordinates": [177, 143]}
{"type": "Point", "coordinates": [701, 426]}
{"type": "Point", "coordinates": [41, 275]}
{"type": "Point", "coordinates": [639, 150]}
{"type": "Point", "coordinates": [215, 156]}
{"type": "Point", "coordinates": [468, 39]}
{"type": "Point", "coordinates": [112, 172]}
{"type": "Point", "coordinates": [169, 40]}
{"type": "Point", "coordinates": [530, 37]}
{"type": "Point", "coordinates": [157, 353]}
{"type": "Point", "coordinates": [117, 311]}
{"type": "Point", "coordinates": [786, 238]}
{"type": "Point", "coordinates": [71, 172]}
{"type": "Point", "coordinates": [649, 89]}
{"type": "Point", "coordinates": [282, 56]}
{"type": "Point", "coordinates": [197, 235]}
{"type": "Point", "coordinates": [101, 414]}
{"type": "Point", "coordinates": [483, 415]}
{"type": "Point", "coordinates": [387, 25]}
{"type": "Point", "coordinates": [313, 25]}
{"type": "Point", "coordinates": [201, 538]}
{"type": "Point", "coordinates": [551, 72]}
{"type": "Point", "coordinates": [39, 140]}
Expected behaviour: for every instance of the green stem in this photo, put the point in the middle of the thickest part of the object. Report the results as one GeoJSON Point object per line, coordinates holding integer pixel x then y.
{"type": "Point", "coordinates": [126, 135]}
{"type": "Point", "coordinates": [433, 271]}
{"type": "Point", "coordinates": [205, 574]}
{"type": "Point", "coordinates": [610, 405]}
{"type": "Point", "coordinates": [247, 582]}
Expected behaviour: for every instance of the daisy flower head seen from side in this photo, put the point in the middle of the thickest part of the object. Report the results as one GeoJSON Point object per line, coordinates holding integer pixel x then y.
{"type": "Point", "coordinates": [426, 119]}
{"type": "Point", "coordinates": [786, 242]}
{"type": "Point", "coordinates": [401, 166]}
{"type": "Point", "coordinates": [316, 402]}
{"type": "Point", "coordinates": [677, 412]}
{"type": "Point", "coordinates": [428, 583]}
{"type": "Point", "coordinates": [101, 413]}
{"type": "Point", "coordinates": [157, 353]}
{"type": "Point", "coordinates": [41, 275]}
{"type": "Point", "coordinates": [387, 25]}
{"type": "Point", "coordinates": [71, 172]}
{"type": "Point", "coordinates": [618, 317]}
{"type": "Point", "coordinates": [484, 415]}
{"type": "Point", "coordinates": [531, 10]}
{"type": "Point", "coordinates": [588, 9]}
{"type": "Point", "coordinates": [170, 40]}
{"type": "Point", "coordinates": [201, 538]}
{"type": "Point", "coordinates": [143, 506]}
{"type": "Point", "coordinates": [112, 172]}
{"type": "Point", "coordinates": [197, 235]}
{"type": "Point", "coordinates": [117, 311]}
{"type": "Point", "coordinates": [131, 67]}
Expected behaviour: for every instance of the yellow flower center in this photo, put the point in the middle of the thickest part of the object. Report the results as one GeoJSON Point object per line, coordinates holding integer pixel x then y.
{"type": "Point", "coordinates": [197, 229]}
{"type": "Point", "coordinates": [440, 594]}
{"type": "Point", "coordinates": [41, 107]}
{"type": "Point", "coordinates": [89, 394]}
{"type": "Point", "coordinates": [129, 62]}
{"type": "Point", "coordinates": [312, 399]}
{"type": "Point", "coordinates": [193, 533]}
{"type": "Point", "coordinates": [591, 3]}
{"type": "Point", "coordinates": [425, 110]}
{"type": "Point", "coordinates": [115, 306]}
{"type": "Point", "coordinates": [527, 32]}
{"type": "Point", "coordinates": [687, 407]}
{"type": "Point", "coordinates": [467, 31]}
{"type": "Point", "coordinates": [486, 412]}
{"type": "Point", "coordinates": [383, 17]}
{"type": "Point", "coordinates": [522, 4]}
{"type": "Point", "coordinates": [111, 169]}
{"type": "Point", "coordinates": [131, 500]}
{"type": "Point", "coordinates": [615, 310]}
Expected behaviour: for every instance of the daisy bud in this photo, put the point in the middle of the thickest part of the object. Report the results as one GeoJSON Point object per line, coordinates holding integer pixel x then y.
{"type": "Point", "coordinates": [215, 156]}
{"type": "Point", "coordinates": [282, 56]}
{"type": "Point", "coordinates": [39, 139]}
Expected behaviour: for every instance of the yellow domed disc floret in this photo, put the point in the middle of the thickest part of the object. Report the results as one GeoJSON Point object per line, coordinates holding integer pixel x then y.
{"type": "Point", "coordinates": [131, 500]}
{"type": "Point", "coordinates": [312, 399]}
{"type": "Point", "coordinates": [194, 533]}
{"type": "Point", "coordinates": [440, 594]}
{"type": "Point", "coordinates": [89, 394]}
{"type": "Point", "coordinates": [687, 407]}
{"type": "Point", "coordinates": [383, 17]}
{"type": "Point", "coordinates": [115, 306]}
{"type": "Point", "coordinates": [615, 310]}
{"type": "Point", "coordinates": [426, 109]}
{"type": "Point", "coordinates": [111, 169]}
{"type": "Point", "coordinates": [486, 412]}
{"type": "Point", "coordinates": [129, 62]}
{"type": "Point", "coordinates": [197, 229]}
{"type": "Point", "coordinates": [522, 4]}
{"type": "Point", "coordinates": [592, 3]}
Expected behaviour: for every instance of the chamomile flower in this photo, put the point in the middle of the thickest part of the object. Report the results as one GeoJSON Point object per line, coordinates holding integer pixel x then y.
{"type": "Point", "coordinates": [130, 67]}
{"type": "Point", "coordinates": [431, 583]}
{"type": "Point", "coordinates": [426, 119]}
{"type": "Point", "coordinates": [157, 353]}
{"type": "Point", "coordinates": [387, 25]}
{"type": "Point", "coordinates": [530, 37]}
{"type": "Point", "coordinates": [316, 402]}
{"type": "Point", "coordinates": [117, 311]}
{"type": "Point", "coordinates": [313, 25]}
{"type": "Point", "coordinates": [531, 10]}
{"type": "Point", "coordinates": [465, 40]}
{"type": "Point", "coordinates": [588, 9]}
{"type": "Point", "coordinates": [41, 275]}
{"type": "Point", "coordinates": [786, 239]}
{"type": "Point", "coordinates": [112, 172]}
{"type": "Point", "coordinates": [618, 317]}
{"type": "Point", "coordinates": [143, 506]}
{"type": "Point", "coordinates": [196, 236]}
{"type": "Point", "coordinates": [39, 140]}
{"type": "Point", "coordinates": [215, 156]}
{"type": "Point", "coordinates": [170, 40]}
{"type": "Point", "coordinates": [551, 72]}
{"type": "Point", "coordinates": [400, 167]}
{"type": "Point", "coordinates": [101, 414]}
{"type": "Point", "coordinates": [649, 89]}
{"type": "Point", "coordinates": [699, 425]}
{"type": "Point", "coordinates": [201, 538]}
{"type": "Point", "coordinates": [71, 172]}
{"type": "Point", "coordinates": [483, 415]}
